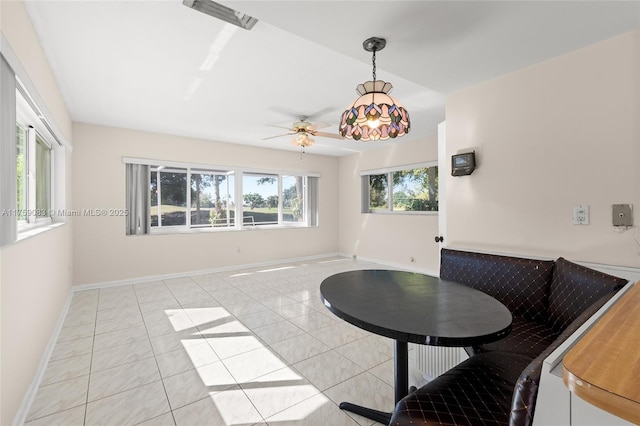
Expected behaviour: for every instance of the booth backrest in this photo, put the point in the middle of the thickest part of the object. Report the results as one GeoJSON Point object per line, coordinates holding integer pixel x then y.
{"type": "Point", "coordinates": [522, 285]}
{"type": "Point", "coordinates": [574, 288]}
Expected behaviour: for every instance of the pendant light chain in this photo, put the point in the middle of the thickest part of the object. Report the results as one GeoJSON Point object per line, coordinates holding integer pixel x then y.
{"type": "Point", "coordinates": [373, 61]}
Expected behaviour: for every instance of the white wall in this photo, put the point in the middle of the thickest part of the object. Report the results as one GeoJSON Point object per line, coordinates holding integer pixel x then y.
{"type": "Point", "coordinates": [36, 272]}
{"type": "Point", "coordinates": [561, 133]}
{"type": "Point", "coordinates": [390, 238]}
{"type": "Point", "coordinates": [102, 251]}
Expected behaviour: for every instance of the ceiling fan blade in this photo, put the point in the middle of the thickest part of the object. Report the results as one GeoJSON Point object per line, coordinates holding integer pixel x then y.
{"type": "Point", "coordinates": [284, 111]}
{"type": "Point", "coordinates": [302, 117]}
{"type": "Point", "coordinates": [319, 113]}
{"type": "Point", "coordinates": [319, 125]}
{"type": "Point", "coordinates": [277, 136]}
{"type": "Point", "coordinates": [279, 127]}
{"type": "Point", "coordinates": [328, 135]}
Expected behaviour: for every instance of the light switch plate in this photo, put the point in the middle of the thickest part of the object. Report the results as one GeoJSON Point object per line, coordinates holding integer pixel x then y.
{"type": "Point", "coordinates": [622, 214]}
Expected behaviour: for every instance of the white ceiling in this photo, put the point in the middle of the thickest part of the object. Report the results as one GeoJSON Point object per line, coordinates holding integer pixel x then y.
{"type": "Point", "coordinates": [163, 67]}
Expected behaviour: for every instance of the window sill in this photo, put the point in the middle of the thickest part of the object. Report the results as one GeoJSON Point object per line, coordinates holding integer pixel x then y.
{"type": "Point", "coordinates": [401, 213]}
{"type": "Point", "coordinates": [210, 230]}
{"type": "Point", "coordinates": [37, 230]}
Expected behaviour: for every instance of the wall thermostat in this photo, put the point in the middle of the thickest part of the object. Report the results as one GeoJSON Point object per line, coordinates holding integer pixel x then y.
{"type": "Point", "coordinates": [463, 164]}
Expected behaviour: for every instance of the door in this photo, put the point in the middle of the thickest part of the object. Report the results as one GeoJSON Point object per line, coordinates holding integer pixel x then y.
{"type": "Point", "coordinates": [443, 172]}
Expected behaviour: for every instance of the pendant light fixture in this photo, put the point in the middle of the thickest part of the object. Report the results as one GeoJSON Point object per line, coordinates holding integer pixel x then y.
{"type": "Point", "coordinates": [374, 115]}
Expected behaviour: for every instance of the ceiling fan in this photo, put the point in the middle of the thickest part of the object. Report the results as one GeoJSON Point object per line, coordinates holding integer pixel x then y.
{"type": "Point", "coordinates": [304, 132]}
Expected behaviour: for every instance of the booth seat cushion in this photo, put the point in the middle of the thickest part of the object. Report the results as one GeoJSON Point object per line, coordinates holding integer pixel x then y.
{"type": "Point", "coordinates": [526, 389]}
{"type": "Point", "coordinates": [574, 288]}
{"type": "Point", "coordinates": [527, 337]}
{"type": "Point", "coordinates": [478, 391]}
{"type": "Point", "coordinates": [522, 285]}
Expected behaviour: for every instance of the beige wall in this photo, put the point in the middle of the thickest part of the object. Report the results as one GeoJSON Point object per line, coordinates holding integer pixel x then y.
{"type": "Point", "coordinates": [36, 272]}
{"type": "Point", "coordinates": [561, 133]}
{"type": "Point", "coordinates": [102, 251]}
{"type": "Point", "coordinates": [389, 238]}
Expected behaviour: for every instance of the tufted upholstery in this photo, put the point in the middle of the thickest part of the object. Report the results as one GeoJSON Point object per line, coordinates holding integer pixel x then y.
{"type": "Point", "coordinates": [522, 285]}
{"type": "Point", "coordinates": [499, 383]}
{"type": "Point", "coordinates": [478, 391]}
{"type": "Point", "coordinates": [526, 388]}
{"type": "Point", "coordinates": [574, 288]}
{"type": "Point", "coordinates": [526, 338]}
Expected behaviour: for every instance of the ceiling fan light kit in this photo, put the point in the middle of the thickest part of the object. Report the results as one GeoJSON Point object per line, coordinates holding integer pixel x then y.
{"type": "Point", "coordinates": [303, 133]}
{"type": "Point", "coordinates": [303, 140]}
{"type": "Point", "coordinates": [375, 115]}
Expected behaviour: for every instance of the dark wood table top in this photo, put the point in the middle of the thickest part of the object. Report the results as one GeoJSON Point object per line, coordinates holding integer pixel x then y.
{"type": "Point", "coordinates": [416, 308]}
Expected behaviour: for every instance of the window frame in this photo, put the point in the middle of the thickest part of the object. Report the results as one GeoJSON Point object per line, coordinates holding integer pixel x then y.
{"type": "Point", "coordinates": [229, 198]}
{"type": "Point", "coordinates": [389, 209]}
{"type": "Point", "coordinates": [28, 119]}
{"type": "Point", "coordinates": [310, 219]}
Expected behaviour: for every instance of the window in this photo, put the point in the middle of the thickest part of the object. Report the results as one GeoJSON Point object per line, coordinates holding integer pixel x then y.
{"type": "Point", "coordinates": [273, 199]}
{"type": "Point", "coordinates": [408, 189]}
{"type": "Point", "coordinates": [32, 162]}
{"type": "Point", "coordinates": [260, 199]}
{"type": "Point", "coordinates": [212, 199]}
{"type": "Point", "coordinates": [34, 170]}
{"type": "Point", "coordinates": [43, 177]}
{"type": "Point", "coordinates": [168, 196]}
{"type": "Point", "coordinates": [293, 199]}
{"type": "Point", "coordinates": [182, 197]}
{"type": "Point", "coordinates": [207, 201]}
{"type": "Point", "coordinates": [378, 192]}
{"type": "Point", "coordinates": [21, 171]}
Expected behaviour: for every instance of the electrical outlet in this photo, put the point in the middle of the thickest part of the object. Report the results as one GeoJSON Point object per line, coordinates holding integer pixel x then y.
{"type": "Point", "coordinates": [580, 215]}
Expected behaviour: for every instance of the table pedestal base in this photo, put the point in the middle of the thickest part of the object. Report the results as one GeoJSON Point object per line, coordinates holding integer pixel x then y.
{"type": "Point", "coordinates": [369, 413]}
{"type": "Point", "coordinates": [401, 387]}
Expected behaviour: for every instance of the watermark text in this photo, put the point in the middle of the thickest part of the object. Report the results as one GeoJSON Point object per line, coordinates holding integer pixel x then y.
{"type": "Point", "coordinates": [64, 212]}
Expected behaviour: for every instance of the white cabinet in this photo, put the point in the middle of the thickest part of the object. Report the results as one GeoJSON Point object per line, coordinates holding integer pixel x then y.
{"type": "Point", "coordinates": [585, 414]}
{"type": "Point", "coordinates": [556, 405]}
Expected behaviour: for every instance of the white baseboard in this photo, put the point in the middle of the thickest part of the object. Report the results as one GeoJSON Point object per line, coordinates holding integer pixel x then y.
{"type": "Point", "coordinates": [30, 394]}
{"type": "Point", "coordinates": [147, 278]}
{"type": "Point", "coordinates": [393, 265]}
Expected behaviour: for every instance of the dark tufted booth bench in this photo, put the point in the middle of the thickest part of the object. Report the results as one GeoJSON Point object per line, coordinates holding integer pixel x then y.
{"type": "Point", "coordinates": [498, 384]}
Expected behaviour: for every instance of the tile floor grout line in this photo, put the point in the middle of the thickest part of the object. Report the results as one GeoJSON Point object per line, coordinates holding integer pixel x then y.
{"type": "Point", "coordinates": [155, 359]}
{"type": "Point", "coordinates": [93, 342]}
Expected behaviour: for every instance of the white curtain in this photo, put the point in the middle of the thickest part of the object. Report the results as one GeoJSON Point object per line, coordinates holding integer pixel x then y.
{"type": "Point", "coordinates": [8, 181]}
{"type": "Point", "coordinates": [138, 201]}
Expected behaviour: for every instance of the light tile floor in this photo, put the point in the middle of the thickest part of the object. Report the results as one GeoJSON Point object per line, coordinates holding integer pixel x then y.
{"type": "Point", "coordinates": [243, 347]}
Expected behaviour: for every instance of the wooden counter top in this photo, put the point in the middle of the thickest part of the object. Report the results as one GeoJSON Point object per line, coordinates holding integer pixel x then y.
{"type": "Point", "coordinates": [603, 368]}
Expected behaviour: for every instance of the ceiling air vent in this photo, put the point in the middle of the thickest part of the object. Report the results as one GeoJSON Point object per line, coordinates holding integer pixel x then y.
{"type": "Point", "coordinates": [222, 12]}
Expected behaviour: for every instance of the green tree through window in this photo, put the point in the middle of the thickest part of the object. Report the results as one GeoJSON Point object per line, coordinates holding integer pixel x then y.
{"type": "Point", "coordinates": [404, 190]}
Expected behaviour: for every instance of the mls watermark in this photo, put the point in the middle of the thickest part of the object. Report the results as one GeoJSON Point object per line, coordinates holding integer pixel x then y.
{"type": "Point", "coordinates": [64, 212]}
